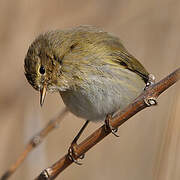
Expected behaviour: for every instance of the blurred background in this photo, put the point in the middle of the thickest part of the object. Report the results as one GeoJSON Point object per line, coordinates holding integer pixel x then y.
{"type": "Point", "coordinates": [149, 144]}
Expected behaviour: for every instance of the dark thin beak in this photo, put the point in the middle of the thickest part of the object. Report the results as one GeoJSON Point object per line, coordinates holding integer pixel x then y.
{"type": "Point", "coordinates": [43, 94]}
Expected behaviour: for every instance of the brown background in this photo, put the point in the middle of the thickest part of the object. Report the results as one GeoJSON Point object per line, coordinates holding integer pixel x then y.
{"type": "Point", "coordinates": [149, 143]}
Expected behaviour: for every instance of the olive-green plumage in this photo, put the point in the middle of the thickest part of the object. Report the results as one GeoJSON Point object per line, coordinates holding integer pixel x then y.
{"type": "Point", "coordinates": [91, 69]}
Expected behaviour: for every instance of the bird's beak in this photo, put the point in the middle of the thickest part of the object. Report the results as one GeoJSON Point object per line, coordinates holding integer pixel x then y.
{"type": "Point", "coordinates": [43, 94]}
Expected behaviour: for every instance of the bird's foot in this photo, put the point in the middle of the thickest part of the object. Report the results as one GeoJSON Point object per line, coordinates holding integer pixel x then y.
{"type": "Point", "coordinates": [108, 126]}
{"type": "Point", "coordinates": [73, 155]}
{"type": "Point", "coordinates": [151, 81]}
{"type": "Point", "coordinates": [150, 101]}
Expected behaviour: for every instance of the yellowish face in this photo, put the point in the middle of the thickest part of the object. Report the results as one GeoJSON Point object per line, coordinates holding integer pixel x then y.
{"type": "Point", "coordinates": [42, 69]}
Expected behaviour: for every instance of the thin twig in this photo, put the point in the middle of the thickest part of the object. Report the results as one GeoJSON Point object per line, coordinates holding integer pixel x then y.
{"type": "Point", "coordinates": [34, 142]}
{"type": "Point", "coordinates": [138, 104]}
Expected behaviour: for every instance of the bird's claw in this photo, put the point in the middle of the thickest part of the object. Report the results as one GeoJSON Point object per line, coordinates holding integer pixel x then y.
{"type": "Point", "coordinates": [150, 101]}
{"type": "Point", "coordinates": [72, 154]}
{"type": "Point", "coordinates": [45, 174]}
{"type": "Point", "coordinates": [151, 81]}
{"type": "Point", "coordinates": [109, 127]}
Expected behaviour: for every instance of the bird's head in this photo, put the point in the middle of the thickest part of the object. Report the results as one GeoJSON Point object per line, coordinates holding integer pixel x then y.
{"type": "Point", "coordinates": [43, 64]}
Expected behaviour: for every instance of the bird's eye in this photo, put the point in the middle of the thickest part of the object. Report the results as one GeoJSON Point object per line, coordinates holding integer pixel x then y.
{"type": "Point", "coordinates": [42, 70]}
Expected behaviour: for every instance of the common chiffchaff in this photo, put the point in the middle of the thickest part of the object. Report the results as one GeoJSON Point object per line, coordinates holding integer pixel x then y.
{"type": "Point", "coordinates": [91, 69]}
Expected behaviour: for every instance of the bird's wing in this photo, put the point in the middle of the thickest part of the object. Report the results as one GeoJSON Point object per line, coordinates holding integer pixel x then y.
{"type": "Point", "coordinates": [121, 56]}
{"type": "Point", "coordinates": [128, 61]}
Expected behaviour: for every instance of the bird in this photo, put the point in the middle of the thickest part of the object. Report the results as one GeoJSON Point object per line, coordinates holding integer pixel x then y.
{"type": "Point", "coordinates": [91, 70]}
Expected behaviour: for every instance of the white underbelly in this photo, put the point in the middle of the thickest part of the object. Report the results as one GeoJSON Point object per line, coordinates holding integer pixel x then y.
{"type": "Point", "coordinates": [99, 97]}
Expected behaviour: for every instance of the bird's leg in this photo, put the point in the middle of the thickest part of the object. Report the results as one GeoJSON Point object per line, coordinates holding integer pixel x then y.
{"type": "Point", "coordinates": [71, 150]}
{"type": "Point", "coordinates": [108, 125]}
